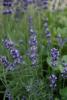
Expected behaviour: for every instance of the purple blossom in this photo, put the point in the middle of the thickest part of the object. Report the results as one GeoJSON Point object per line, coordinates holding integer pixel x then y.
{"type": "Point", "coordinates": [8, 43]}
{"type": "Point", "coordinates": [17, 58]}
{"type": "Point", "coordinates": [32, 43]}
{"type": "Point", "coordinates": [33, 40]}
{"type": "Point", "coordinates": [53, 80]}
{"type": "Point", "coordinates": [8, 11]}
{"type": "Point", "coordinates": [4, 61]}
{"type": "Point", "coordinates": [7, 3]}
{"type": "Point", "coordinates": [15, 53]}
{"type": "Point", "coordinates": [54, 56]}
{"type": "Point", "coordinates": [64, 73]}
{"type": "Point", "coordinates": [45, 4]}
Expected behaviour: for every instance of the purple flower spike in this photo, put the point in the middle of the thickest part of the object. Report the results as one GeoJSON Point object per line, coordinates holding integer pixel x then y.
{"type": "Point", "coordinates": [53, 80]}
{"type": "Point", "coordinates": [54, 53]}
{"type": "Point", "coordinates": [32, 44]}
{"type": "Point", "coordinates": [54, 56]}
{"type": "Point", "coordinates": [64, 73]}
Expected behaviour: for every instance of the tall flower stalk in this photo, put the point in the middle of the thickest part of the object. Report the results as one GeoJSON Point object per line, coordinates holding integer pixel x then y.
{"type": "Point", "coordinates": [32, 43]}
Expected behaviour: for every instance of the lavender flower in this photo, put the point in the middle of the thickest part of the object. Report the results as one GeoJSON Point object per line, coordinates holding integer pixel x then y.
{"type": "Point", "coordinates": [32, 44]}
{"type": "Point", "coordinates": [4, 61]}
{"type": "Point", "coordinates": [33, 51]}
{"type": "Point", "coordinates": [53, 80]}
{"type": "Point", "coordinates": [33, 40]}
{"type": "Point", "coordinates": [8, 11]}
{"type": "Point", "coordinates": [8, 43]}
{"type": "Point", "coordinates": [7, 3]}
{"type": "Point", "coordinates": [54, 53]}
{"type": "Point", "coordinates": [45, 4]}
{"type": "Point", "coordinates": [15, 53]}
{"type": "Point", "coordinates": [54, 56]}
{"type": "Point", "coordinates": [64, 73]}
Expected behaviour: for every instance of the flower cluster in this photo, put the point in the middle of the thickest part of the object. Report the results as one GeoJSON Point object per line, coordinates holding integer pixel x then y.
{"type": "Point", "coordinates": [32, 44]}
{"type": "Point", "coordinates": [7, 5]}
{"type": "Point", "coordinates": [13, 52]}
{"type": "Point", "coordinates": [47, 32]}
{"type": "Point", "coordinates": [64, 73]}
{"type": "Point", "coordinates": [4, 61]}
{"type": "Point", "coordinates": [53, 80]}
{"type": "Point", "coordinates": [54, 56]}
{"type": "Point", "coordinates": [16, 55]}
{"type": "Point", "coordinates": [8, 43]}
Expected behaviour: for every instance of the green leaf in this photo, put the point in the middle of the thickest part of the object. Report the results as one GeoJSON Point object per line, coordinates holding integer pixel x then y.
{"type": "Point", "coordinates": [63, 93]}
{"type": "Point", "coordinates": [64, 58]}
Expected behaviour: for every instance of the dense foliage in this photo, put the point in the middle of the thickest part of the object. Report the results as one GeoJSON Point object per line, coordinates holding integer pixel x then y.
{"type": "Point", "coordinates": [33, 55]}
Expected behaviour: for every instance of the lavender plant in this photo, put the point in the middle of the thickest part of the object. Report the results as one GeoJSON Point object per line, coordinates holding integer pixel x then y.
{"type": "Point", "coordinates": [33, 58]}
